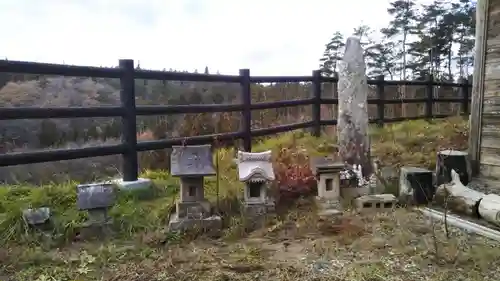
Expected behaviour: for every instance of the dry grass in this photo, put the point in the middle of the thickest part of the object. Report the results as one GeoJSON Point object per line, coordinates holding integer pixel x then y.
{"type": "Point", "coordinates": [385, 246]}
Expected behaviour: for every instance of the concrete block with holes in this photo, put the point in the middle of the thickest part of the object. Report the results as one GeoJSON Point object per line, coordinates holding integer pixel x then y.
{"type": "Point", "coordinates": [375, 203]}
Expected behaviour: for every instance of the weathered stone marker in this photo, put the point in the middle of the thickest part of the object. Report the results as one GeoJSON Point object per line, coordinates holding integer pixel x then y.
{"type": "Point", "coordinates": [352, 127]}
{"type": "Point", "coordinates": [38, 218]}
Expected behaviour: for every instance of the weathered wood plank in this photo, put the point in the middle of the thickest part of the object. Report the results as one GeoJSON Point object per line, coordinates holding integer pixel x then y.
{"type": "Point", "coordinates": [489, 171]}
{"type": "Point", "coordinates": [490, 143]}
{"type": "Point", "coordinates": [478, 85]}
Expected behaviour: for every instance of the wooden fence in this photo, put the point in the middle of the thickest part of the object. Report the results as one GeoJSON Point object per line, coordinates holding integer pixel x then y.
{"type": "Point", "coordinates": [128, 111]}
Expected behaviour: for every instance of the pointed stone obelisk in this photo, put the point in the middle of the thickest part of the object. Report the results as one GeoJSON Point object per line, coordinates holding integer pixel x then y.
{"type": "Point", "coordinates": [352, 126]}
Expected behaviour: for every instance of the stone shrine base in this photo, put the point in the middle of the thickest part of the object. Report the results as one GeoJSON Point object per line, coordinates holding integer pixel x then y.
{"type": "Point", "coordinates": [258, 209]}
{"type": "Point", "coordinates": [256, 214]}
{"type": "Point", "coordinates": [328, 207]}
{"type": "Point", "coordinates": [210, 224]}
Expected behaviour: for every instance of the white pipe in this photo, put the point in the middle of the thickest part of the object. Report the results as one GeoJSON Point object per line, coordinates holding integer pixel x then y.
{"type": "Point", "coordinates": [463, 224]}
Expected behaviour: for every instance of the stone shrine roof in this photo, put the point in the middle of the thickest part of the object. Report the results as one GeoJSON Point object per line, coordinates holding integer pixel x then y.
{"type": "Point", "coordinates": [255, 166]}
{"type": "Point", "coordinates": [192, 161]}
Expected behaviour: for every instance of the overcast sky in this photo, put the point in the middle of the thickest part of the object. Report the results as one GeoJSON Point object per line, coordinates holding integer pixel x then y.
{"type": "Point", "coordinates": [271, 37]}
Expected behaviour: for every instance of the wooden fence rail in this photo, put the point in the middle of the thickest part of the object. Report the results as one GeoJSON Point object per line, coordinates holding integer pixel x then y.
{"type": "Point", "coordinates": [128, 111]}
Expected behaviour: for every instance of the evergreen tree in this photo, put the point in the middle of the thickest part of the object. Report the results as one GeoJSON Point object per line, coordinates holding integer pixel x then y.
{"type": "Point", "coordinates": [333, 53]}
{"type": "Point", "coordinates": [402, 25]}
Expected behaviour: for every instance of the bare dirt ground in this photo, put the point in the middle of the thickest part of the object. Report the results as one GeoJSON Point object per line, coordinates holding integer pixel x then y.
{"type": "Point", "coordinates": [387, 246]}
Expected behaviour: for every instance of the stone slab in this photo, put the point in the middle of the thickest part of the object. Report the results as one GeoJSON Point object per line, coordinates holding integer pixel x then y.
{"type": "Point", "coordinates": [95, 196]}
{"type": "Point", "coordinates": [212, 223]}
{"type": "Point", "coordinates": [192, 160]}
{"type": "Point", "coordinates": [37, 216]}
{"type": "Point", "coordinates": [140, 183]}
{"type": "Point", "coordinates": [330, 213]}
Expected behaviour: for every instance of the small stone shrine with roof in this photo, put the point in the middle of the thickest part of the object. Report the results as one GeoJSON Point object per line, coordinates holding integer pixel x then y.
{"type": "Point", "coordinates": [256, 171]}
{"type": "Point", "coordinates": [192, 164]}
{"type": "Point", "coordinates": [96, 199]}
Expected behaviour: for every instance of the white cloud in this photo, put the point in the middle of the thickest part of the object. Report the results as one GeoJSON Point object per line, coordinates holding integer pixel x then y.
{"type": "Point", "coordinates": [271, 37]}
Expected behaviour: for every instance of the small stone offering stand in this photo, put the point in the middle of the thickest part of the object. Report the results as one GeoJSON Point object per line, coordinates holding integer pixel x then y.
{"type": "Point", "coordinates": [256, 171]}
{"type": "Point", "coordinates": [192, 164]}
{"type": "Point", "coordinates": [96, 199]}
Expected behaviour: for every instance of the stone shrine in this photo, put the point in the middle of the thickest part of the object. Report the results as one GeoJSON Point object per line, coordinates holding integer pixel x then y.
{"type": "Point", "coordinates": [96, 199]}
{"type": "Point", "coordinates": [256, 171]}
{"type": "Point", "coordinates": [192, 164]}
{"type": "Point", "coordinates": [328, 177]}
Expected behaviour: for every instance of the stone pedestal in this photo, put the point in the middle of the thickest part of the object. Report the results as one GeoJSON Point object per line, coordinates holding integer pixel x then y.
{"type": "Point", "coordinates": [92, 230]}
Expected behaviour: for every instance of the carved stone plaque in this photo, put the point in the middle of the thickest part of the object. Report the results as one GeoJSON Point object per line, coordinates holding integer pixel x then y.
{"type": "Point", "coordinates": [95, 196]}
{"type": "Point", "coordinates": [194, 160]}
{"type": "Point", "coordinates": [37, 216]}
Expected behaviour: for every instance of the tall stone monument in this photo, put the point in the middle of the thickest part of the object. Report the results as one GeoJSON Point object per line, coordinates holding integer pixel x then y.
{"type": "Point", "coordinates": [352, 126]}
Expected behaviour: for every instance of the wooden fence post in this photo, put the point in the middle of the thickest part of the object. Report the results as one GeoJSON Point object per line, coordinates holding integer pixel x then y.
{"type": "Point", "coordinates": [247, 112]}
{"type": "Point", "coordinates": [381, 100]}
{"type": "Point", "coordinates": [129, 126]}
{"type": "Point", "coordinates": [464, 89]}
{"type": "Point", "coordinates": [430, 97]}
{"type": "Point", "coordinates": [316, 106]}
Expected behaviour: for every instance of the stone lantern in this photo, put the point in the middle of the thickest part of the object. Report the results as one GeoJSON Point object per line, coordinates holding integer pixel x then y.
{"type": "Point", "coordinates": [192, 164]}
{"type": "Point", "coordinates": [328, 181]}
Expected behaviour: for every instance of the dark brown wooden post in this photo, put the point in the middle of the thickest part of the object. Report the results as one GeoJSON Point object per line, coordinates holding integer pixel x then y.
{"type": "Point", "coordinates": [129, 126]}
{"type": "Point", "coordinates": [430, 96]}
{"type": "Point", "coordinates": [381, 100]}
{"type": "Point", "coordinates": [464, 89]}
{"type": "Point", "coordinates": [247, 112]}
{"type": "Point", "coordinates": [316, 106]}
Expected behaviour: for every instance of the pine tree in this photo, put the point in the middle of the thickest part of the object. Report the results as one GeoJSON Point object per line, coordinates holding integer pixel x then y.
{"type": "Point", "coordinates": [333, 53]}
{"type": "Point", "coordinates": [402, 25]}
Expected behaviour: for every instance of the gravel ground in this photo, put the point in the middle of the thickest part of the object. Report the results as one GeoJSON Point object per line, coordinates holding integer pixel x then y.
{"type": "Point", "coordinates": [395, 246]}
